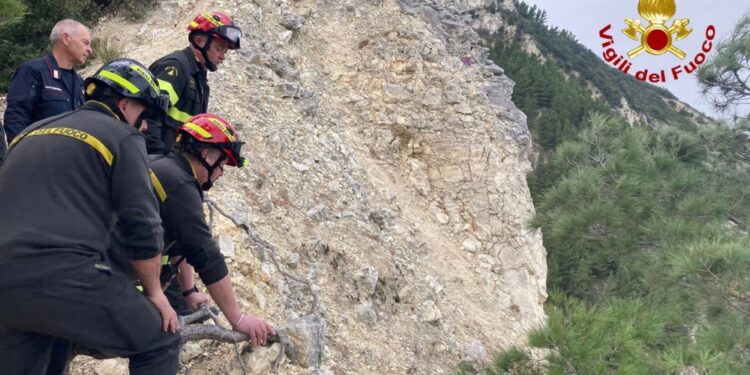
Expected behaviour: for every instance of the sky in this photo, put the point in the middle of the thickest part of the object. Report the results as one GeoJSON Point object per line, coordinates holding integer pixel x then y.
{"type": "Point", "coordinates": [585, 18]}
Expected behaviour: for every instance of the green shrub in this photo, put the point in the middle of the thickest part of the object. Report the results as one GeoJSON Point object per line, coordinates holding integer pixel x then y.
{"type": "Point", "coordinates": [105, 50]}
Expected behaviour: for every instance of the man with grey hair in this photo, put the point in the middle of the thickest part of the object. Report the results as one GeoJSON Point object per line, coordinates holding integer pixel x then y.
{"type": "Point", "coordinates": [48, 86]}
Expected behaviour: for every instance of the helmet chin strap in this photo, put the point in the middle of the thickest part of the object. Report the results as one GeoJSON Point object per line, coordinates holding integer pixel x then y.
{"type": "Point", "coordinates": [204, 52]}
{"type": "Point", "coordinates": [210, 168]}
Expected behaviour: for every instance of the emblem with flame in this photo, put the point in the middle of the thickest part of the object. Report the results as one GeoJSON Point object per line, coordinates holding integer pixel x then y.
{"type": "Point", "coordinates": [656, 38]}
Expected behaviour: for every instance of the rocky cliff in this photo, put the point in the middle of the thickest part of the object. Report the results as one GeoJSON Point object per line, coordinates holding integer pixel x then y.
{"type": "Point", "coordinates": [387, 172]}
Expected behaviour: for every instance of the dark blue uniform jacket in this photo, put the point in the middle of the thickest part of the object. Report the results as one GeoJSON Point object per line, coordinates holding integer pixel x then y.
{"type": "Point", "coordinates": [38, 91]}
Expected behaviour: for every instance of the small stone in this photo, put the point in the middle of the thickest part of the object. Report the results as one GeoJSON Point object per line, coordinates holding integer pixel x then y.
{"type": "Point", "coordinates": [486, 262]}
{"type": "Point", "coordinates": [318, 213]}
{"type": "Point", "coordinates": [433, 98]}
{"type": "Point", "coordinates": [266, 271]}
{"type": "Point", "coordinates": [285, 36]}
{"type": "Point", "coordinates": [266, 206]}
{"type": "Point", "coordinates": [142, 29]}
{"type": "Point", "coordinates": [309, 105]}
{"type": "Point", "coordinates": [292, 21]}
{"type": "Point", "coordinates": [476, 352]}
{"type": "Point", "coordinates": [307, 334]}
{"type": "Point", "coordinates": [365, 313]}
{"type": "Point", "coordinates": [294, 90]}
{"type": "Point", "coordinates": [353, 98]}
{"type": "Point", "coordinates": [189, 351]}
{"type": "Point", "coordinates": [366, 280]}
{"type": "Point", "coordinates": [407, 294]}
{"type": "Point", "coordinates": [440, 216]}
{"type": "Point", "coordinates": [378, 217]}
{"type": "Point", "coordinates": [316, 249]}
{"type": "Point", "coordinates": [259, 297]}
{"type": "Point", "coordinates": [283, 68]}
{"type": "Point", "coordinates": [471, 245]}
{"type": "Point", "coordinates": [430, 312]}
{"type": "Point", "coordinates": [292, 261]}
{"type": "Point", "coordinates": [396, 94]}
{"type": "Point", "coordinates": [258, 361]}
{"type": "Point", "coordinates": [300, 167]}
{"type": "Point", "coordinates": [226, 245]}
{"type": "Point", "coordinates": [464, 109]}
{"type": "Point", "coordinates": [113, 366]}
{"type": "Point", "coordinates": [454, 97]}
{"type": "Point", "coordinates": [434, 284]}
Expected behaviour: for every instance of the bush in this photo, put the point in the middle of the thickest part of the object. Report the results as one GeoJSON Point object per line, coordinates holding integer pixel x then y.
{"type": "Point", "coordinates": [11, 11]}
{"type": "Point", "coordinates": [105, 50]}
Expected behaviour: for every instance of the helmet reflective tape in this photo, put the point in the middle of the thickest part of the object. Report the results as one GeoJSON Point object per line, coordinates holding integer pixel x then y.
{"type": "Point", "coordinates": [198, 129]}
{"type": "Point", "coordinates": [223, 128]}
{"type": "Point", "coordinates": [214, 20]}
{"type": "Point", "coordinates": [114, 77]}
{"type": "Point", "coordinates": [146, 76]}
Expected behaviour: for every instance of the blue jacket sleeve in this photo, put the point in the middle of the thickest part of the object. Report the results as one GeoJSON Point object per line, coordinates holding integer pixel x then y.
{"type": "Point", "coordinates": [23, 95]}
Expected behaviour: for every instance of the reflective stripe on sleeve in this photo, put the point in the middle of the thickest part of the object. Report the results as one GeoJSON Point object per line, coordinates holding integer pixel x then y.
{"type": "Point", "coordinates": [80, 135]}
{"type": "Point", "coordinates": [158, 188]}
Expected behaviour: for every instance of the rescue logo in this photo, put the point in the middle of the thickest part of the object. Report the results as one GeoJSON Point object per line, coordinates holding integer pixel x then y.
{"type": "Point", "coordinates": [656, 38]}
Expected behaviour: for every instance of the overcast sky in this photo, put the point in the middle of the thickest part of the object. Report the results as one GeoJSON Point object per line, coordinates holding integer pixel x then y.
{"type": "Point", "coordinates": [584, 18]}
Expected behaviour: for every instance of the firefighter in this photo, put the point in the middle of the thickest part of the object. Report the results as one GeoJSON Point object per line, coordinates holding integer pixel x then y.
{"type": "Point", "coordinates": [63, 183]}
{"type": "Point", "coordinates": [182, 74]}
{"type": "Point", "coordinates": [206, 144]}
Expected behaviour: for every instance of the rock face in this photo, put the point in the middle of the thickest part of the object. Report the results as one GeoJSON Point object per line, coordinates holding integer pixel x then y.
{"type": "Point", "coordinates": [387, 171]}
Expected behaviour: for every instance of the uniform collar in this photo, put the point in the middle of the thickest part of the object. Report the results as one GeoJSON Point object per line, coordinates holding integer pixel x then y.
{"type": "Point", "coordinates": [53, 67]}
{"type": "Point", "coordinates": [186, 166]}
{"type": "Point", "coordinates": [195, 66]}
{"type": "Point", "coordinates": [185, 163]}
{"type": "Point", "coordinates": [95, 105]}
{"type": "Point", "coordinates": [56, 72]}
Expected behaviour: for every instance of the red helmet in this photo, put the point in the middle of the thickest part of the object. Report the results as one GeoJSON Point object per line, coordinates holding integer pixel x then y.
{"type": "Point", "coordinates": [218, 25]}
{"type": "Point", "coordinates": [212, 130]}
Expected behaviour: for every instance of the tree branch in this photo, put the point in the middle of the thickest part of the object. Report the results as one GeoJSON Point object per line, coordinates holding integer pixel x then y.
{"type": "Point", "coordinates": [271, 250]}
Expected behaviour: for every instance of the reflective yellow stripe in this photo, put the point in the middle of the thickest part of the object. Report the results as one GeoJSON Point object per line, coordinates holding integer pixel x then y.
{"type": "Point", "coordinates": [198, 130]}
{"type": "Point", "coordinates": [146, 75]}
{"type": "Point", "coordinates": [120, 80]}
{"type": "Point", "coordinates": [166, 86]}
{"type": "Point", "coordinates": [75, 134]}
{"type": "Point", "coordinates": [164, 260]}
{"type": "Point", "coordinates": [178, 115]}
{"type": "Point", "coordinates": [158, 188]}
{"type": "Point", "coordinates": [210, 18]}
{"type": "Point", "coordinates": [223, 128]}
{"type": "Point", "coordinates": [104, 107]}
